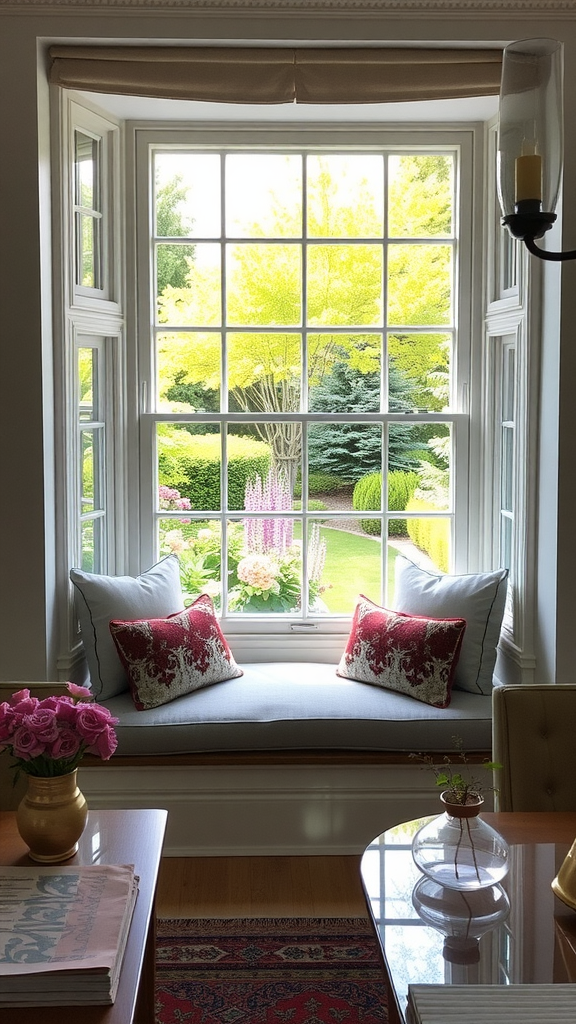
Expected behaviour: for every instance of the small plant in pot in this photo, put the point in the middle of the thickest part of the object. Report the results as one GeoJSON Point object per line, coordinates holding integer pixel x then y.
{"type": "Point", "coordinates": [457, 848]}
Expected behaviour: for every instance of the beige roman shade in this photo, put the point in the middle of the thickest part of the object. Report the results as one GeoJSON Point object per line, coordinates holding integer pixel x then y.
{"type": "Point", "coordinates": [283, 75]}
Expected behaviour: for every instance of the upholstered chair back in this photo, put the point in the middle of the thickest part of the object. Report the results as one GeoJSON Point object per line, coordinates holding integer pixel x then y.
{"type": "Point", "coordinates": [534, 738]}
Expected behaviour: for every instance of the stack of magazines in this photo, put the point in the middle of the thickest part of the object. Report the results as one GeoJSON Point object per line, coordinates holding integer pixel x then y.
{"type": "Point", "coordinates": [491, 1004]}
{"type": "Point", "coordinates": [63, 933]}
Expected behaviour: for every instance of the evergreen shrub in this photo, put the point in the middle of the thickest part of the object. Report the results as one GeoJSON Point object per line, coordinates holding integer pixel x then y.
{"type": "Point", "coordinates": [368, 495]}
{"type": "Point", "coordinates": [191, 463]}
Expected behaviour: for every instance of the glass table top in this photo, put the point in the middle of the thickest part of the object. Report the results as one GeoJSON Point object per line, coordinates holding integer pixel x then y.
{"type": "Point", "coordinates": [517, 932]}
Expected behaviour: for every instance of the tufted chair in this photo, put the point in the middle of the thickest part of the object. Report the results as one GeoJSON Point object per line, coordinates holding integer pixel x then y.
{"type": "Point", "coordinates": [534, 738]}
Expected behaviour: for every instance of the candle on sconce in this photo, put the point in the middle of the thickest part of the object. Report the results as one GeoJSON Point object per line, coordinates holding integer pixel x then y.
{"type": "Point", "coordinates": [528, 177]}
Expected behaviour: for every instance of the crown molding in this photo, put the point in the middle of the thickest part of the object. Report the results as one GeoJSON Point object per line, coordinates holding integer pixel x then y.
{"type": "Point", "coordinates": [304, 8]}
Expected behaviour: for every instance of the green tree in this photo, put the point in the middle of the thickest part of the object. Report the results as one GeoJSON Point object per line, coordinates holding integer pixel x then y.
{"type": "Point", "coordinates": [173, 261]}
{"type": "Point", "coordinates": [343, 289]}
{"type": "Point", "coordinates": [351, 450]}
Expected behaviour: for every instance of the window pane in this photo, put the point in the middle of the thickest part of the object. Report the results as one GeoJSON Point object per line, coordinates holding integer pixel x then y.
{"type": "Point", "coordinates": [345, 285]}
{"type": "Point", "coordinates": [188, 372]}
{"type": "Point", "coordinates": [267, 577]}
{"type": "Point", "coordinates": [507, 482]}
{"type": "Point", "coordinates": [88, 250]}
{"type": "Point", "coordinates": [505, 542]}
{"type": "Point", "coordinates": [198, 545]}
{"type": "Point", "coordinates": [263, 464]}
{"type": "Point", "coordinates": [344, 372]}
{"type": "Point", "coordinates": [88, 382]}
{"type": "Point", "coordinates": [264, 372]}
{"type": "Point", "coordinates": [508, 383]}
{"type": "Point", "coordinates": [92, 559]}
{"type": "Point", "coordinates": [345, 196]}
{"type": "Point", "coordinates": [187, 195]}
{"type": "Point", "coordinates": [351, 565]}
{"type": "Point", "coordinates": [263, 195]}
{"type": "Point", "coordinates": [419, 372]}
{"type": "Point", "coordinates": [88, 209]}
{"type": "Point", "coordinates": [89, 443]}
{"type": "Point", "coordinates": [188, 281]}
{"type": "Point", "coordinates": [420, 195]}
{"type": "Point", "coordinates": [87, 532]}
{"type": "Point", "coordinates": [189, 463]}
{"type": "Point", "coordinates": [420, 284]}
{"type": "Point", "coordinates": [254, 272]}
{"type": "Point", "coordinates": [427, 542]}
{"type": "Point", "coordinates": [86, 158]}
{"type": "Point", "coordinates": [422, 453]}
{"type": "Point", "coordinates": [347, 451]}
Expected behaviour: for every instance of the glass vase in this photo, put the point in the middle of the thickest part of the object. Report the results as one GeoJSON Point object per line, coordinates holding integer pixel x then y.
{"type": "Point", "coordinates": [51, 817]}
{"type": "Point", "coordinates": [458, 849]}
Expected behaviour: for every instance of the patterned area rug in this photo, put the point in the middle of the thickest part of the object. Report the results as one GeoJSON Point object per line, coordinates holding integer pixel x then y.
{"type": "Point", "coordinates": [283, 971]}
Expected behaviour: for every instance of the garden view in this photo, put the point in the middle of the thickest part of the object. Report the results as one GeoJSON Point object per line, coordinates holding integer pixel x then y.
{"type": "Point", "coordinates": [303, 346]}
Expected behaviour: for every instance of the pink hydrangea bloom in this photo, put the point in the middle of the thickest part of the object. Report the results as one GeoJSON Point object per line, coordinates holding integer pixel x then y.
{"type": "Point", "coordinates": [257, 571]}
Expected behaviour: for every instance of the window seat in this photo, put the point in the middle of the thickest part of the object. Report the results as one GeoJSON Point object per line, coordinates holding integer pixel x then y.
{"type": "Point", "coordinates": [288, 758]}
{"type": "Point", "coordinates": [300, 706]}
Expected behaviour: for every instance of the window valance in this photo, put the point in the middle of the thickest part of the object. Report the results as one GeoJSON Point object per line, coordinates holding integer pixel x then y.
{"type": "Point", "coordinates": [282, 75]}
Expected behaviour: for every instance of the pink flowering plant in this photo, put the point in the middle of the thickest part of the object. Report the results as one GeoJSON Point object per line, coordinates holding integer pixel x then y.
{"type": "Point", "coordinates": [49, 737]}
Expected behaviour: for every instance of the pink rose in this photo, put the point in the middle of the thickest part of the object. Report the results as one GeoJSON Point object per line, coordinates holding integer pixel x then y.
{"type": "Point", "coordinates": [66, 745]}
{"type": "Point", "coordinates": [8, 722]}
{"type": "Point", "coordinates": [43, 724]}
{"type": "Point", "coordinates": [105, 744]}
{"type": "Point", "coordinates": [91, 720]}
{"type": "Point", "coordinates": [53, 703]}
{"type": "Point", "coordinates": [80, 692]}
{"type": "Point", "coordinates": [66, 711]}
{"type": "Point", "coordinates": [25, 744]}
{"type": "Point", "coordinates": [23, 703]}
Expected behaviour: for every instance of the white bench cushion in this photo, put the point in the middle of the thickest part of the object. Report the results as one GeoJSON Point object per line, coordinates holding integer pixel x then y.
{"type": "Point", "coordinates": [300, 706]}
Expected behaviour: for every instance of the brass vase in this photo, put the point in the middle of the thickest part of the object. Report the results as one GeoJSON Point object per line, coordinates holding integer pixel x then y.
{"type": "Point", "coordinates": [51, 817]}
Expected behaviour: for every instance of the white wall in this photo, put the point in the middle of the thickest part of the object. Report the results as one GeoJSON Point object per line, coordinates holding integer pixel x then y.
{"type": "Point", "coordinates": [28, 518]}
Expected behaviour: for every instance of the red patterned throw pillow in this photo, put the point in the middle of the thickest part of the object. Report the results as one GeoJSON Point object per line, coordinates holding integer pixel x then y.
{"type": "Point", "coordinates": [410, 654]}
{"type": "Point", "coordinates": [165, 658]}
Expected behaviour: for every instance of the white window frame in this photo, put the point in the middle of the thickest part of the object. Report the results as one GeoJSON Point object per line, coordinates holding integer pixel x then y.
{"type": "Point", "coordinates": [86, 317]}
{"type": "Point", "coordinates": [468, 144]}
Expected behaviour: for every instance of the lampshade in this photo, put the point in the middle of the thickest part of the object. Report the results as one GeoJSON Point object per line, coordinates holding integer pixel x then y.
{"type": "Point", "coordinates": [530, 136]}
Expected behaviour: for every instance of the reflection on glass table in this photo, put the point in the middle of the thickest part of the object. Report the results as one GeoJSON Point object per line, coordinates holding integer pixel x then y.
{"type": "Point", "coordinates": [461, 917]}
{"type": "Point", "coordinates": [511, 933]}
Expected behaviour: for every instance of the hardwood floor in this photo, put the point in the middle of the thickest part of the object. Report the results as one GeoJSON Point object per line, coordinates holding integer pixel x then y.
{"type": "Point", "coordinates": [260, 887]}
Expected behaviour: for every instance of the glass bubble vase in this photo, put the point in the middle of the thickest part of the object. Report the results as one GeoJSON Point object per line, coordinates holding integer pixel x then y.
{"type": "Point", "coordinates": [458, 849]}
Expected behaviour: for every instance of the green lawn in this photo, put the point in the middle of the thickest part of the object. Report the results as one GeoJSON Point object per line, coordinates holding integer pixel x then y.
{"type": "Point", "coordinates": [353, 566]}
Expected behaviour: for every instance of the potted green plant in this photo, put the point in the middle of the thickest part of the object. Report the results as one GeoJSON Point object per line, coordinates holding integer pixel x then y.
{"type": "Point", "coordinates": [458, 848]}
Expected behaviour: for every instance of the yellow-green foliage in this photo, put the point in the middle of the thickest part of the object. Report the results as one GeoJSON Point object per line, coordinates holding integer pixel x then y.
{"type": "Point", "coordinates": [430, 535]}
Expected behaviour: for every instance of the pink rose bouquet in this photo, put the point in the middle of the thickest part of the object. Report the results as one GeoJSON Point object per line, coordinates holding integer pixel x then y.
{"type": "Point", "coordinates": [49, 737]}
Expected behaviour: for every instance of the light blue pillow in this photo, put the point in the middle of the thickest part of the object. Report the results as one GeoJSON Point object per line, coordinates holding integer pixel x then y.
{"type": "Point", "coordinates": [477, 597]}
{"type": "Point", "coordinates": [156, 593]}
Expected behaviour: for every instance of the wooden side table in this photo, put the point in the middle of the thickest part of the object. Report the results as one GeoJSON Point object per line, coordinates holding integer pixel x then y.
{"type": "Point", "coordinates": [110, 837]}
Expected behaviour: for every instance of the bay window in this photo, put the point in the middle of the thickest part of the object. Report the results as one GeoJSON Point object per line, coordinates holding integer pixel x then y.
{"type": "Point", "coordinates": [303, 351]}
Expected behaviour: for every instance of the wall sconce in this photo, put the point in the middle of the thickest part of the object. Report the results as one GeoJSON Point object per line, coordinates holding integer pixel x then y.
{"type": "Point", "coordinates": [530, 141]}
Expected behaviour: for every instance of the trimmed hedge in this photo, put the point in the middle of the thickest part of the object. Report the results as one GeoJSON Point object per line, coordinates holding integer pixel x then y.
{"type": "Point", "coordinates": [368, 495]}
{"type": "Point", "coordinates": [430, 535]}
{"type": "Point", "coordinates": [321, 483]}
{"type": "Point", "coordinates": [191, 463]}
